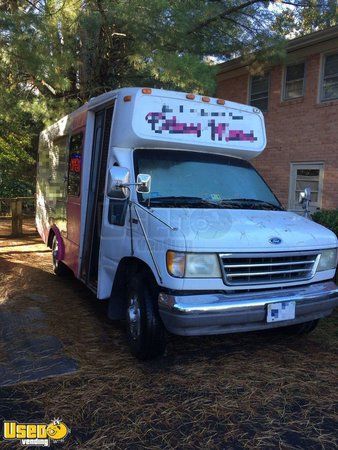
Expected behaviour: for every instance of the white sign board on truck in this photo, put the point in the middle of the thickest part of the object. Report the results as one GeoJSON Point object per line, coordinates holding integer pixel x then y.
{"type": "Point", "coordinates": [163, 121]}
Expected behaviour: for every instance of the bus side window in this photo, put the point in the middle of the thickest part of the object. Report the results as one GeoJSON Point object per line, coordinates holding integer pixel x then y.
{"type": "Point", "coordinates": [75, 163]}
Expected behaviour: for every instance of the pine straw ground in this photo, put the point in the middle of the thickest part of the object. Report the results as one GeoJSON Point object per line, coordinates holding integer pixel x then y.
{"type": "Point", "coordinates": [253, 390]}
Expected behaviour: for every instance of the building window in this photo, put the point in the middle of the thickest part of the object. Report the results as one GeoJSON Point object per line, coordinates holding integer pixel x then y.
{"type": "Point", "coordinates": [259, 92]}
{"type": "Point", "coordinates": [306, 175]}
{"type": "Point", "coordinates": [294, 81]}
{"type": "Point", "coordinates": [329, 88]}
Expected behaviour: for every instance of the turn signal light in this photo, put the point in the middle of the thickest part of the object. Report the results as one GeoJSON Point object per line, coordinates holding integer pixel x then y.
{"type": "Point", "coordinates": [127, 98]}
{"type": "Point", "coordinates": [146, 91]}
{"type": "Point", "coordinates": [206, 99]}
{"type": "Point", "coordinates": [220, 101]}
{"type": "Point", "coordinates": [176, 263]}
{"type": "Point", "coordinates": [190, 96]}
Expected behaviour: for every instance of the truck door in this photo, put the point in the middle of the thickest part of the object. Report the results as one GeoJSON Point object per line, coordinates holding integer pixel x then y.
{"type": "Point", "coordinates": [101, 136]}
{"type": "Point", "coordinates": [115, 238]}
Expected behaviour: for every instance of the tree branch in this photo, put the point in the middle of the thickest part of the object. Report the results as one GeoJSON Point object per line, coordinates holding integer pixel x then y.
{"type": "Point", "coordinates": [300, 5]}
{"type": "Point", "coordinates": [239, 24]}
{"type": "Point", "coordinates": [34, 6]}
{"type": "Point", "coordinates": [225, 13]}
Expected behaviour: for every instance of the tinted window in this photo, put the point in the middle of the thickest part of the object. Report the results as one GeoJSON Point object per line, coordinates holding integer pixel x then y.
{"type": "Point", "coordinates": [117, 212]}
{"type": "Point", "coordinates": [75, 164]}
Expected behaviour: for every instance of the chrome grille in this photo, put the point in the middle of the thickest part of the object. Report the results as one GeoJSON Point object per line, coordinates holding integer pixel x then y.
{"type": "Point", "coordinates": [262, 268]}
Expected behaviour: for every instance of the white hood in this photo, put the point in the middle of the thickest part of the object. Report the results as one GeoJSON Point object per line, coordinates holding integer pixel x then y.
{"type": "Point", "coordinates": [242, 230]}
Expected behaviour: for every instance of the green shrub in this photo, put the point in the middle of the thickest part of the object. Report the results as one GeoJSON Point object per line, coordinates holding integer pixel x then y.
{"type": "Point", "coordinates": [327, 218]}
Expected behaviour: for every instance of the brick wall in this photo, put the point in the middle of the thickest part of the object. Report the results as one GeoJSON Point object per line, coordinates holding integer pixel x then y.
{"type": "Point", "coordinates": [298, 130]}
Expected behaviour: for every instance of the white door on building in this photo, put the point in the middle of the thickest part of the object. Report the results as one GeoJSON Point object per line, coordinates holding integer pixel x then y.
{"type": "Point", "coordinates": [304, 175]}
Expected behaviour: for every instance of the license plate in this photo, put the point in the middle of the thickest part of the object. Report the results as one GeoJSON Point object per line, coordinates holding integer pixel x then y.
{"type": "Point", "coordinates": [281, 311]}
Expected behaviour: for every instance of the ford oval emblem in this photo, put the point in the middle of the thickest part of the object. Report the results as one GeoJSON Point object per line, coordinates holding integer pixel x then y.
{"type": "Point", "coordinates": [275, 240]}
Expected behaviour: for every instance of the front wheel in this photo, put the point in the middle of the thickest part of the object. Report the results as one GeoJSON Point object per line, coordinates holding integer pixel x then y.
{"type": "Point", "coordinates": [145, 330]}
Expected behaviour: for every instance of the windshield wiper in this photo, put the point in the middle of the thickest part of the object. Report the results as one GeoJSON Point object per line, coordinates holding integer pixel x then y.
{"type": "Point", "coordinates": [231, 203]}
{"type": "Point", "coordinates": [250, 202]}
{"type": "Point", "coordinates": [182, 201]}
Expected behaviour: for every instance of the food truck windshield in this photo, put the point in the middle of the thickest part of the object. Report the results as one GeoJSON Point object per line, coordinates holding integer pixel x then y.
{"type": "Point", "coordinates": [183, 178]}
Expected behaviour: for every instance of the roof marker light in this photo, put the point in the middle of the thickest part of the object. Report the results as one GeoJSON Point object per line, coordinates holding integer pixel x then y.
{"type": "Point", "coordinates": [146, 91]}
{"type": "Point", "coordinates": [190, 96]}
{"type": "Point", "coordinates": [127, 98]}
{"type": "Point", "coordinates": [220, 101]}
{"type": "Point", "coordinates": [206, 99]}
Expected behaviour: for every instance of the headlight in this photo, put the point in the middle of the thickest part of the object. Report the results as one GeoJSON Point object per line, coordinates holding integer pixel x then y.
{"type": "Point", "coordinates": [193, 265]}
{"type": "Point", "coordinates": [328, 260]}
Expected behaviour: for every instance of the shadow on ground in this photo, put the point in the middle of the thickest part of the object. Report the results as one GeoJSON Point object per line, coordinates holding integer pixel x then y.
{"type": "Point", "coordinates": [252, 390]}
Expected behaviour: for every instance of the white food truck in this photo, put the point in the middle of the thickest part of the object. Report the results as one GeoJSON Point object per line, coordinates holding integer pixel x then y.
{"type": "Point", "coordinates": [149, 197]}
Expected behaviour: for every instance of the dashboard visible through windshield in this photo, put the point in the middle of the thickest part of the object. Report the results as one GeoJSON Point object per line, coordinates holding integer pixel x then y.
{"type": "Point", "coordinates": [202, 180]}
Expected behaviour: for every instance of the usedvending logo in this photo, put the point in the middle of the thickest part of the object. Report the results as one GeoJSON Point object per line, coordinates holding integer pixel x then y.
{"type": "Point", "coordinates": [35, 434]}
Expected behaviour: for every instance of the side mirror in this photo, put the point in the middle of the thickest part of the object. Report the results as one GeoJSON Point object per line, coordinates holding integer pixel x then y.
{"type": "Point", "coordinates": [143, 183]}
{"type": "Point", "coordinates": [118, 178]}
{"type": "Point", "coordinates": [305, 196]}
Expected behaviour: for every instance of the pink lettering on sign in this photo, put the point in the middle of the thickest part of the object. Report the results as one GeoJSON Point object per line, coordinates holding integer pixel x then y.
{"type": "Point", "coordinates": [239, 135]}
{"type": "Point", "coordinates": [217, 130]}
{"type": "Point", "coordinates": [220, 131]}
{"type": "Point", "coordinates": [160, 123]}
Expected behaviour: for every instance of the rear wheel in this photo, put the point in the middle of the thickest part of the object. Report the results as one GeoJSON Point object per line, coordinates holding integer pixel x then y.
{"type": "Point", "coordinates": [301, 328]}
{"type": "Point", "coordinates": [59, 268]}
{"type": "Point", "coordinates": [145, 330]}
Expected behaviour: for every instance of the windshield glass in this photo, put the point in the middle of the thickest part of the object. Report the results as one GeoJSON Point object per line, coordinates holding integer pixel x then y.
{"type": "Point", "coordinates": [183, 178]}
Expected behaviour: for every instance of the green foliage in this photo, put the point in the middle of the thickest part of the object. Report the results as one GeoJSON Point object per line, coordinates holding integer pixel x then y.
{"type": "Point", "coordinates": [327, 218]}
{"type": "Point", "coordinates": [56, 54]}
{"type": "Point", "coordinates": [18, 141]}
{"type": "Point", "coordinates": [318, 14]}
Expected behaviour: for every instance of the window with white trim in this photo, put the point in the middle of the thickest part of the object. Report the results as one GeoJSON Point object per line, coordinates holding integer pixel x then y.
{"type": "Point", "coordinates": [305, 175]}
{"type": "Point", "coordinates": [294, 81]}
{"type": "Point", "coordinates": [329, 84]}
{"type": "Point", "coordinates": [259, 92]}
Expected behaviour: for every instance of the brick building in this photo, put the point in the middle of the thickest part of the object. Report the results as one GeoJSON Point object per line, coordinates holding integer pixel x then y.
{"type": "Point", "coordinates": [300, 103]}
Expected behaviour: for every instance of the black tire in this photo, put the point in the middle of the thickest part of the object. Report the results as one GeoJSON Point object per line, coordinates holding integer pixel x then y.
{"type": "Point", "coordinates": [59, 268]}
{"type": "Point", "coordinates": [300, 328]}
{"type": "Point", "coordinates": [145, 330]}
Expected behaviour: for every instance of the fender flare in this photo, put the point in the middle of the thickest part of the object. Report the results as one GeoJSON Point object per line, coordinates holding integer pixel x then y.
{"type": "Point", "coordinates": [127, 268]}
{"type": "Point", "coordinates": [54, 231]}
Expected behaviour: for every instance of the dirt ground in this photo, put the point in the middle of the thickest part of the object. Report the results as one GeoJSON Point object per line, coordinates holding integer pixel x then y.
{"type": "Point", "coordinates": [28, 227]}
{"type": "Point", "coordinates": [255, 390]}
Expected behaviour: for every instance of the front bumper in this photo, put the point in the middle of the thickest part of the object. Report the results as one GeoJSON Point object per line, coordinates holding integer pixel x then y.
{"type": "Point", "coordinates": [218, 313]}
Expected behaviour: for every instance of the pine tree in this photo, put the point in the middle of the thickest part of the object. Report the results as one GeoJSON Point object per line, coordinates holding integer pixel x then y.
{"type": "Point", "coordinates": [56, 54]}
